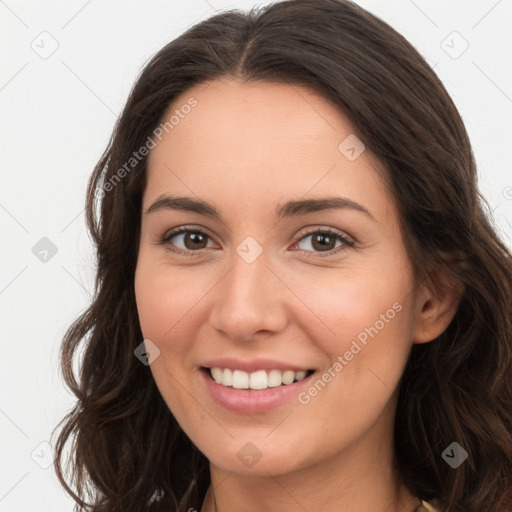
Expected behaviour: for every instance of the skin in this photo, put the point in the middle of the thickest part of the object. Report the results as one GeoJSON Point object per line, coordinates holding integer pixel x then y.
{"type": "Point", "coordinates": [247, 148]}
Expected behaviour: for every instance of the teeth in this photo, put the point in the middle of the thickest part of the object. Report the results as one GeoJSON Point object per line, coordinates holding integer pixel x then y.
{"type": "Point", "coordinates": [300, 375]}
{"type": "Point", "coordinates": [258, 380]}
{"type": "Point", "coordinates": [217, 374]}
{"type": "Point", "coordinates": [227, 377]}
{"type": "Point", "coordinates": [239, 379]}
{"type": "Point", "coordinates": [288, 377]}
{"type": "Point", "coordinates": [274, 379]}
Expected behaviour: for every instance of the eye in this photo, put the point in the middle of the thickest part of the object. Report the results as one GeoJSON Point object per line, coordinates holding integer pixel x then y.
{"type": "Point", "coordinates": [188, 241]}
{"type": "Point", "coordinates": [324, 241]}
{"type": "Point", "coordinates": [192, 241]}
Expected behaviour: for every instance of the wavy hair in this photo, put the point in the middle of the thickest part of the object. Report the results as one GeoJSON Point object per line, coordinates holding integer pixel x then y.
{"type": "Point", "coordinates": [120, 449]}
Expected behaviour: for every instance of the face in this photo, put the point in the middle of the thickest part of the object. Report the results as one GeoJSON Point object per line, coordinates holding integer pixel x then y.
{"type": "Point", "coordinates": [309, 303]}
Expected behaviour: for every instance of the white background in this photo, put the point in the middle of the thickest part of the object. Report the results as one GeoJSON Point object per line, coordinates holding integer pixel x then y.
{"type": "Point", "coordinates": [57, 114]}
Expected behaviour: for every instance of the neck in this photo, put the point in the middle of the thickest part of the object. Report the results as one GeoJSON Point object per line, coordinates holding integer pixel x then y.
{"type": "Point", "coordinates": [360, 478]}
{"type": "Point", "coordinates": [274, 496]}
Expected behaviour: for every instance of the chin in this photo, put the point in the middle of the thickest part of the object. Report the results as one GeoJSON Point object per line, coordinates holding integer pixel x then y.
{"type": "Point", "coordinates": [256, 458]}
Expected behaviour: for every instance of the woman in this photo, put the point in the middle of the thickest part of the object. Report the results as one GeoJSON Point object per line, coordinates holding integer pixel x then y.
{"type": "Point", "coordinates": [301, 302]}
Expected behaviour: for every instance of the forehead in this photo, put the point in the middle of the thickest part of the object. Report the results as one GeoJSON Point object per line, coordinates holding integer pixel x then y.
{"type": "Point", "coordinates": [260, 141]}
{"type": "Point", "coordinates": [236, 118]}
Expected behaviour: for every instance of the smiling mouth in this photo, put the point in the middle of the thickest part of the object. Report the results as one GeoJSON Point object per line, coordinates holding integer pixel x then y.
{"type": "Point", "coordinates": [256, 381]}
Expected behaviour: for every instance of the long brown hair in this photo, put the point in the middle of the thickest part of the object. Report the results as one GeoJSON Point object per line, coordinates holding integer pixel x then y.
{"type": "Point", "coordinates": [126, 451]}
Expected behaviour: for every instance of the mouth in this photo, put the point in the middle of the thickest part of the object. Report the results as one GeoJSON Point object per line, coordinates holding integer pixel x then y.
{"type": "Point", "coordinates": [256, 386]}
{"type": "Point", "coordinates": [258, 380]}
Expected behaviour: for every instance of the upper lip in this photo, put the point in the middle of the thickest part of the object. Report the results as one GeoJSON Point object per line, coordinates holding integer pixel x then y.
{"type": "Point", "coordinates": [252, 365]}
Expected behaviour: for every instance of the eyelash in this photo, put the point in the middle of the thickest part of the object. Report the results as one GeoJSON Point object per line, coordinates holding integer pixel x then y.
{"type": "Point", "coordinates": [346, 242]}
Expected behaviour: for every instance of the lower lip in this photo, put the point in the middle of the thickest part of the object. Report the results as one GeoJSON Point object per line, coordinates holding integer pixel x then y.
{"type": "Point", "coordinates": [246, 401]}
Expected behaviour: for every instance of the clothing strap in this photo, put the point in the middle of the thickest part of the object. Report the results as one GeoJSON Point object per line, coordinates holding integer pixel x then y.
{"type": "Point", "coordinates": [425, 507]}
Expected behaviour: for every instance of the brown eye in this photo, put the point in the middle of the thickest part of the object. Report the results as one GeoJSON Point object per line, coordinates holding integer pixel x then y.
{"type": "Point", "coordinates": [194, 240]}
{"type": "Point", "coordinates": [327, 241]}
{"type": "Point", "coordinates": [185, 241]}
{"type": "Point", "coordinates": [322, 242]}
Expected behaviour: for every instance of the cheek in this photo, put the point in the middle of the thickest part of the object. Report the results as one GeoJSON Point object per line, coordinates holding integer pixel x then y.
{"type": "Point", "coordinates": [163, 299]}
{"type": "Point", "coordinates": [367, 346]}
{"type": "Point", "coordinates": [366, 312]}
{"type": "Point", "coordinates": [359, 305]}
{"type": "Point", "coordinates": [364, 318]}
{"type": "Point", "coordinates": [153, 302]}
{"type": "Point", "coordinates": [169, 304]}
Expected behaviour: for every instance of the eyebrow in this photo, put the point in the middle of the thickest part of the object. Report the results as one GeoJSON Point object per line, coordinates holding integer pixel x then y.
{"type": "Point", "coordinates": [292, 208]}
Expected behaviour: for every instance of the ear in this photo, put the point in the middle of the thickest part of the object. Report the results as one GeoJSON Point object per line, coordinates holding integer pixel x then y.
{"type": "Point", "coordinates": [436, 305]}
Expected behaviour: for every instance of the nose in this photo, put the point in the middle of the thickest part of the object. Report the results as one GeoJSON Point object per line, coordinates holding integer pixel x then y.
{"type": "Point", "coordinates": [250, 299]}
